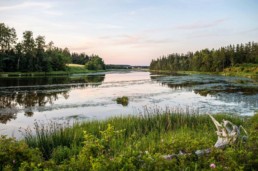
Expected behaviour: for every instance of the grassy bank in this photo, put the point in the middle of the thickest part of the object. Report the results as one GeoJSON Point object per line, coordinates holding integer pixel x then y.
{"type": "Point", "coordinates": [71, 69]}
{"type": "Point", "coordinates": [166, 72]}
{"type": "Point", "coordinates": [131, 143]}
{"type": "Point", "coordinates": [76, 69]}
{"type": "Point", "coordinates": [243, 70]}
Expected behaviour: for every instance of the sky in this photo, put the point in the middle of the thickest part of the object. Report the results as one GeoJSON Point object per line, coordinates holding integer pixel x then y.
{"type": "Point", "coordinates": [134, 31]}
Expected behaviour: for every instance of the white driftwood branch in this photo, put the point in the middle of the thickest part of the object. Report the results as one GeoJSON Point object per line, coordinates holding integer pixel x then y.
{"type": "Point", "coordinates": [227, 132]}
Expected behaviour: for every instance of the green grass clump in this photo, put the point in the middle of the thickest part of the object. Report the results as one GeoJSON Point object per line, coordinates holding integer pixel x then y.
{"type": "Point", "coordinates": [242, 70]}
{"type": "Point", "coordinates": [122, 100]}
{"type": "Point", "coordinates": [139, 142]}
{"type": "Point", "coordinates": [77, 68]}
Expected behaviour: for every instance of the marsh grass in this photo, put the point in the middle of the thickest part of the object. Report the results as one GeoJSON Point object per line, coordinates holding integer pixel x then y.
{"type": "Point", "coordinates": [148, 126]}
{"type": "Point", "coordinates": [242, 70]}
{"type": "Point", "coordinates": [49, 136]}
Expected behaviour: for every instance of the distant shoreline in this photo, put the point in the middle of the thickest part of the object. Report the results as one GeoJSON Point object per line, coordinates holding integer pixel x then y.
{"type": "Point", "coordinates": [241, 71]}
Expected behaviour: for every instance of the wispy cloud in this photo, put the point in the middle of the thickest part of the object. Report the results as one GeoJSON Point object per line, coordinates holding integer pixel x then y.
{"type": "Point", "coordinates": [54, 13]}
{"type": "Point", "coordinates": [249, 31]}
{"type": "Point", "coordinates": [106, 26]}
{"type": "Point", "coordinates": [200, 25]}
{"type": "Point", "coordinates": [26, 5]}
{"type": "Point", "coordinates": [129, 39]}
{"type": "Point", "coordinates": [137, 40]}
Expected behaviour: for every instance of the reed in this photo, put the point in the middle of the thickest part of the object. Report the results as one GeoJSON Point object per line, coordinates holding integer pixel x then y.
{"type": "Point", "coordinates": [52, 135]}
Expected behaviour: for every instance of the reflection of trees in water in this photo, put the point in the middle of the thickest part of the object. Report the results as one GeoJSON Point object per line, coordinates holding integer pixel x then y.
{"type": "Point", "coordinates": [4, 118]}
{"type": "Point", "coordinates": [35, 81]}
{"type": "Point", "coordinates": [10, 103]}
{"type": "Point", "coordinates": [8, 108]}
{"type": "Point", "coordinates": [15, 97]}
{"type": "Point", "coordinates": [179, 86]}
{"type": "Point", "coordinates": [96, 79]}
{"type": "Point", "coordinates": [29, 81]}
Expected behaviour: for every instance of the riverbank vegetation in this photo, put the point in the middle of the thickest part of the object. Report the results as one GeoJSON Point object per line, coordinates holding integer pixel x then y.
{"type": "Point", "coordinates": [242, 70]}
{"type": "Point", "coordinates": [131, 143]}
{"type": "Point", "coordinates": [231, 57]}
{"type": "Point", "coordinates": [95, 63]}
{"type": "Point", "coordinates": [70, 69]}
{"type": "Point", "coordinates": [35, 55]}
{"type": "Point", "coordinates": [77, 68]}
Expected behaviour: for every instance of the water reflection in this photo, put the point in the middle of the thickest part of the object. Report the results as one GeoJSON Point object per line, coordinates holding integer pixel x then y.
{"type": "Point", "coordinates": [9, 82]}
{"type": "Point", "coordinates": [27, 94]}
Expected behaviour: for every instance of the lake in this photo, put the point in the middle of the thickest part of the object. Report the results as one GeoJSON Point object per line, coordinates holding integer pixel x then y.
{"type": "Point", "coordinates": [84, 97]}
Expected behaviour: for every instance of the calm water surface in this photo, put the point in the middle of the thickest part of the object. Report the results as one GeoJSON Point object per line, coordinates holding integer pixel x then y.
{"type": "Point", "coordinates": [84, 97]}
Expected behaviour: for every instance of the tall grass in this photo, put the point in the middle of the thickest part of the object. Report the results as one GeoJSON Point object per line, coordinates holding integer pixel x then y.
{"type": "Point", "coordinates": [49, 136]}
{"type": "Point", "coordinates": [151, 125]}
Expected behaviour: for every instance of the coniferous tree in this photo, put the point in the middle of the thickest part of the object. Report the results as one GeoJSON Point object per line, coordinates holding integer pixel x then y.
{"type": "Point", "coordinates": [208, 60]}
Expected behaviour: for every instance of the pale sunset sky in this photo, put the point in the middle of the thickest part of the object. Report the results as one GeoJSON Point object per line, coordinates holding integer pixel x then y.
{"type": "Point", "coordinates": [134, 31]}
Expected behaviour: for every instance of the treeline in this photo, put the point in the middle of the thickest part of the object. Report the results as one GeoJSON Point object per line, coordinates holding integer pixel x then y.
{"type": "Point", "coordinates": [208, 60]}
{"type": "Point", "coordinates": [113, 66]}
{"type": "Point", "coordinates": [34, 54]}
{"type": "Point", "coordinates": [81, 58]}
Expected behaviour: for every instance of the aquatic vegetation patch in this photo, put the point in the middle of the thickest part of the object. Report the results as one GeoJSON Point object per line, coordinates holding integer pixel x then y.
{"type": "Point", "coordinates": [212, 90]}
{"type": "Point", "coordinates": [124, 100]}
{"type": "Point", "coordinates": [206, 84]}
{"type": "Point", "coordinates": [189, 80]}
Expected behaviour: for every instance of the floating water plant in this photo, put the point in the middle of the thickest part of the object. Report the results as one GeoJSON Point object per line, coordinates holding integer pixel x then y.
{"type": "Point", "coordinates": [122, 100]}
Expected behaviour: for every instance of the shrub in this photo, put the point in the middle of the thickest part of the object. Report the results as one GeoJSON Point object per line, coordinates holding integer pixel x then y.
{"type": "Point", "coordinates": [13, 153]}
{"type": "Point", "coordinates": [95, 63]}
{"type": "Point", "coordinates": [96, 152]}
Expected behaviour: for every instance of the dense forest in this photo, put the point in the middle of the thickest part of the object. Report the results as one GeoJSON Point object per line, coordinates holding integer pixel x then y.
{"type": "Point", "coordinates": [34, 54]}
{"type": "Point", "coordinates": [208, 60]}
